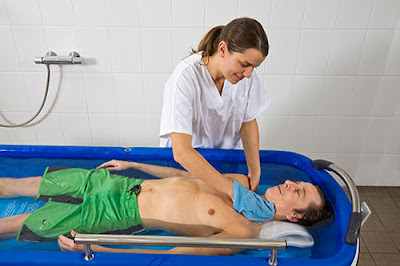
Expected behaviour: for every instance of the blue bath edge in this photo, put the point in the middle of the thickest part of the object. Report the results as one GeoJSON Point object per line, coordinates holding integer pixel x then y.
{"type": "Point", "coordinates": [344, 254]}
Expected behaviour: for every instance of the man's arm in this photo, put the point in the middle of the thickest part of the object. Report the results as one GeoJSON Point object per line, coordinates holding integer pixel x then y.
{"type": "Point", "coordinates": [250, 139]}
{"type": "Point", "coordinates": [155, 170]}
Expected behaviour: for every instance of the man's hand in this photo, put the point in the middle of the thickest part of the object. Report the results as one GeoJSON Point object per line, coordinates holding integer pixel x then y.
{"type": "Point", "coordinates": [67, 244]}
{"type": "Point", "coordinates": [115, 165]}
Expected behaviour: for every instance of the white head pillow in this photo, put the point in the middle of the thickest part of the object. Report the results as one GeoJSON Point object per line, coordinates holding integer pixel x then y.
{"type": "Point", "coordinates": [296, 235]}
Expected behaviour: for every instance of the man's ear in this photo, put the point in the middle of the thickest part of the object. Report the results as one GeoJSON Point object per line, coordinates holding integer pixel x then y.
{"type": "Point", "coordinates": [222, 48]}
{"type": "Point", "coordinates": [293, 217]}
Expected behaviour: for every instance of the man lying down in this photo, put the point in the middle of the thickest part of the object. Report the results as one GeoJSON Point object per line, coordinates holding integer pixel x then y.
{"type": "Point", "coordinates": [97, 202]}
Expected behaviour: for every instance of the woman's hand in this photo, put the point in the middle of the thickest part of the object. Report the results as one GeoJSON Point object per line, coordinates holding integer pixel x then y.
{"type": "Point", "coordinates": [254, 182]}
{"type": "Point", "coordinates": [115, 165]}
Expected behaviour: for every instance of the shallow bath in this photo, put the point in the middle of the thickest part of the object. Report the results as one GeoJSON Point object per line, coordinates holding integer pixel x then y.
{"type": "Point", "coordinates": [277, 166]}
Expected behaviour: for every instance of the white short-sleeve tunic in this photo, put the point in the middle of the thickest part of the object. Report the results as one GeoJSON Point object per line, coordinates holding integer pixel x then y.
{"type": "Point", "coordinates": [193, 106]}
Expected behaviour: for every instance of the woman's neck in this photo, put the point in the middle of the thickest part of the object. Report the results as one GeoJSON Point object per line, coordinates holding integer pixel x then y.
{"type": "Point", "coordinates": [212, 65]}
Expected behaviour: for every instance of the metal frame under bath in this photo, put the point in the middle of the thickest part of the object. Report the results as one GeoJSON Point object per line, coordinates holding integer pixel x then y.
{"type": "Point", "coordinates": [344, 254]}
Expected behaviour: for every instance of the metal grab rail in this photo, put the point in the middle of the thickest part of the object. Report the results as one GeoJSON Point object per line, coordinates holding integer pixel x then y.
{"type": "Point", "coordinates": [353, 229]}
{"type": "Point", "coordinates": [179, 241]}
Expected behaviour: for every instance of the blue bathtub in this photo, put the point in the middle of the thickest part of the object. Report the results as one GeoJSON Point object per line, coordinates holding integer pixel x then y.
{"type": "Point", "coordinates": [277, 166]}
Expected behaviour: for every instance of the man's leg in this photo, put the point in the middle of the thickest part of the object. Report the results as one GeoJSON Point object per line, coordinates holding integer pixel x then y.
{"type": "Point", "coordinates": [19, 187]}
{"type": "Point", "coordinates": [9, 226]}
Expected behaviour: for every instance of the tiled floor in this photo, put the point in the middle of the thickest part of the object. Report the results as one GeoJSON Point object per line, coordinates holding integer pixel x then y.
{"type": "Point", "coordinates": [380, 235]}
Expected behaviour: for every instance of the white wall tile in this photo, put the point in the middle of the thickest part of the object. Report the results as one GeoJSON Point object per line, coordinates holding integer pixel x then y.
{"type": "Point", "coordinates": [185, 15]}
{"type": "Point", "coordinates": [287, 14]}
{"type": "Point", "coordinates": [273, 132]}
{"type": "Point", "coordinates": [154, 92]}
{"type": "Point", "coordinates": [28, 15]}
{"type": "Point", "coordinates": [76, 129]}
{"type": "Point", "coordinates": [95, 48]}
{"type": "Point", "coordinates": [57, 12]}
{"type": "Point", "coordinates": [9, 57]}
{"type": "Point", "coordinates": [129, 93]}
{"type": "Point", "coordinates": [378, 170]}
{"type": "Point", "coordinates": [49, 131]}
{"type": "Point", "coordinates": [300, 133]}
{"type": "Point", "coordinates": [132, 130]}
{"type": "Point", "coordinates": [346, 51]}
{"type": "Point", "coordinates": [3, 13]}
{"type": "Point", "coordinates": [123, 13]}
{"type": "Point", "coordinates": [14, 97]}
{"type": "Point", "coordinates": [314, 51]}
{"type": "Point", "coordinates": [280, 90]}
{"type": "Point", "coordinates": [354, 135]}
{"type": "Point", "coordinates": [393, 59]}
{"type": "Point", "coordinates": [376, 135]}
{"type": "Point", "coordinates": [354, 14]}
{"type": "Point", "coordinates": [153, 130]}
{"type": "Point", "coordinates": [390, 166]}
{"type": "Point", "coordinates": [375, 53]}
{"type": "Point", "coordinates": [320, 14]}
{"type": "Point", "coordinates": [282, 57]}
{"type": "Point", "coordinates": [99, 93]}
{"type": "Point", "coordinates": [125, 50]}
{"type": "Point", "coordinates": [63, 40]}
{"type": "Point", "coordinates": [349, 163]}
{"type": "Point", "coordinates": [104, 129]}
{"type": "Point", "coordinates": [213, 15]}
{"type": "Point", "coordinates": [328, 133]}
{"type": "Point", "coordinates": [387, 99]}
{"type": "Point", "coordinates": [307, 92]}
{"type": "Point", "coordinates": [90, 13]}
{"type": "Point", "coordinates": [336, 96]}
{"type": "Point", "coordinates": [72, 96]}
{"type": "Point", "coordinates": [363, 95]}
{"type": "Point", "coordinates": [35, 83]}
{"type": "Point", "coordinates": [4, 138]}
{"type": "Point", "coordinates": [384, 14]}
{"type": "Point", "coordinates": [27, 53]}
{"type": "Point", "coordinates": [259, 10]}
{"type": "Point", "coordinates": [369, 171]}
{"type": "Point", "coordinates": [155, 61]}
{"type": "Point", "coordinates": [155, 13]}
{"type": "Point", "coordinates": [392, 142]}
{"type": "Point", "coordinates": [183, 40]}
{"type": "Point", "coordinates": [20, 135]}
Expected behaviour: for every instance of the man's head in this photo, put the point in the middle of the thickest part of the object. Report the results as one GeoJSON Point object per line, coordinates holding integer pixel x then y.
{"type": "Point", "coordinates": [299, 202]}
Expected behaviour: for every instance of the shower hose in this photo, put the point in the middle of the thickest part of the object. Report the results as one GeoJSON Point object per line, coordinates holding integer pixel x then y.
{"type": "Point", "coordinates": [41, 106]}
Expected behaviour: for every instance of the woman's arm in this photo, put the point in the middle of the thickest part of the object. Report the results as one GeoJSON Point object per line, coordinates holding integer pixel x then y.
{"type": "Point", "coordinates": [195, 163]}
{"type": "Point", "coordinates": [154, 170]}
{"type": "Point", "coordinates": [251, 142]}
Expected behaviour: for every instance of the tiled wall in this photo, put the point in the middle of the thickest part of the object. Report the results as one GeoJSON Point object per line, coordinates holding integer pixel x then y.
{"type": "Point", "coordinates": [333, 73]}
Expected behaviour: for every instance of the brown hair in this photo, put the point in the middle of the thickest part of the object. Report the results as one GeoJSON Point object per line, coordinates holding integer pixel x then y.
{"type": "Point", "coordinates": [314, 213]}
{"type": "Point", "coordinates": [240, 34]}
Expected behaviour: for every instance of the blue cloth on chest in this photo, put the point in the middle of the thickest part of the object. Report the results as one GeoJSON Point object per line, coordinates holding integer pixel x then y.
{"type": "Point", "coordinates": [251, 205]}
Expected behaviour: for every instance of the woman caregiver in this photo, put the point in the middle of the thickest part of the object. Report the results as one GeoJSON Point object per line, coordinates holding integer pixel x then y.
{"type": "Point", "coordinates": [213, 98]}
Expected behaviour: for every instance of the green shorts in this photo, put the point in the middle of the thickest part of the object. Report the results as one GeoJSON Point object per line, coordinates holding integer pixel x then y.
{"type": "Point", "coordinates": [86, 201]}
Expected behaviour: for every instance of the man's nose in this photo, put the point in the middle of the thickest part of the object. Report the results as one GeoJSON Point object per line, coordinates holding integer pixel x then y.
{"type": "Point", "coordinates": [290, 184]}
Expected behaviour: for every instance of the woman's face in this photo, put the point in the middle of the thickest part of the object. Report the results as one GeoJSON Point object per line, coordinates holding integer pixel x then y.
{"type": "Point", "coordinates": [236, 66]}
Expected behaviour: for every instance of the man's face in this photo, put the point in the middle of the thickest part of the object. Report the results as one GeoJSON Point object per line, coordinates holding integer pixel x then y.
{"type": "Point", "coordinates": [292, 195]}
{"type": "Point", "coordinates": [237, 66]}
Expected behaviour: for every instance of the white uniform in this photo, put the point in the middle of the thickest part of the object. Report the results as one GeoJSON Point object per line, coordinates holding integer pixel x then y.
{"type": "Point", "coordinates": [193, 106]}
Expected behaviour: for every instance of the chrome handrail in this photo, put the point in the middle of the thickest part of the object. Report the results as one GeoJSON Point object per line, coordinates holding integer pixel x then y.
{"type": "Point", "coordinates": [180, 241]}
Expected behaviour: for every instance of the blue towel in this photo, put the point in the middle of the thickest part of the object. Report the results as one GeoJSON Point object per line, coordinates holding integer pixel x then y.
{"type": "Point", "coordinates": [251, 205]}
